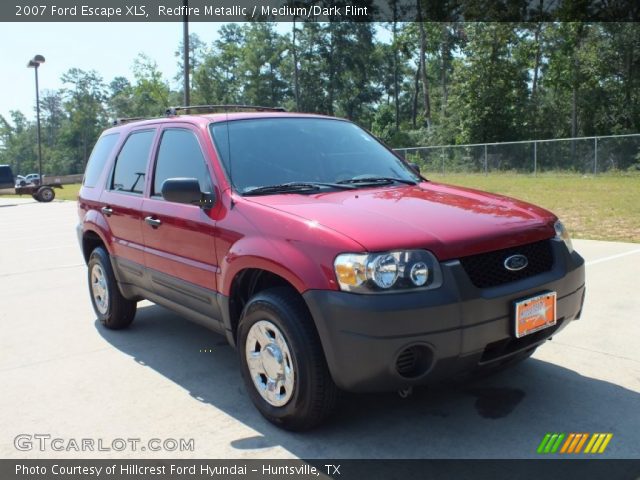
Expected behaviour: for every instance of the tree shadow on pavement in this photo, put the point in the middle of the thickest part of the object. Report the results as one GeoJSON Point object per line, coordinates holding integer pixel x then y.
{"type": "Point", "coordinates": [501, 416]}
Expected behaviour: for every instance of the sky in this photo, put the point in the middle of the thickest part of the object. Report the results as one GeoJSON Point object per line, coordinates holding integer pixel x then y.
{"type": "Point", "coordinates": [108, 48]}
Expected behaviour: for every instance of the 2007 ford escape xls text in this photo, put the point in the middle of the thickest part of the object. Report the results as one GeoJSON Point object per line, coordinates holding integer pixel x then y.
{"type": "Point", "coordinates": [325, 259]}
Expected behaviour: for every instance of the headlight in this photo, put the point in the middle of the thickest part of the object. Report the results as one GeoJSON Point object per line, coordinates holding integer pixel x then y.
{"type": "Point", "coordinates": [383, 270]}
{"type": "Point", "coordinates": [562, 234]}
{"type": "Point", "coordinates": [419, 274]}
{"type": "Point", "coordinates": [389, 271]}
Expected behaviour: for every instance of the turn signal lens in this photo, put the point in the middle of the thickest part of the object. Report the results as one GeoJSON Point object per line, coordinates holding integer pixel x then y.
{"type": "Point", "coordinates": [563, 234]}
{"type": "Point", "coordinates": [348, 275]}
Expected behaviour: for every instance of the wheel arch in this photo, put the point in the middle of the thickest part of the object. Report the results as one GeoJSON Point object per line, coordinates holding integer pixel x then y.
{"type": "Point", "coordinates": [90, 240]}
{"type": "Point", "coordinates": [245, 284]}
{"type": "Point", "coordinates": [94, 231]}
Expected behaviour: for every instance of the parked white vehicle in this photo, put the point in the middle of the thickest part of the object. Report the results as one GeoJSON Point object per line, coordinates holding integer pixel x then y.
{"type": "Point", "coordinates": [33, 178]}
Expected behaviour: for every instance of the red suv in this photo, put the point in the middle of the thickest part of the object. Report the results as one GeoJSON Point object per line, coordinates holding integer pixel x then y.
{"type": "Point", "coordinates": [322, 256]}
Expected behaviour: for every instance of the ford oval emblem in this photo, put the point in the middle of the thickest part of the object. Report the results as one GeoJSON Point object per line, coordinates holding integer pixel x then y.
{"type": "Point", "coordinates": [515, 263]}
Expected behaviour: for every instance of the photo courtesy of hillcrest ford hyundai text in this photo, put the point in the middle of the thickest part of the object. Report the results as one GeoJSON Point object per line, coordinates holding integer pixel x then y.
{"type": "Point", "coordinates": [324, 258]}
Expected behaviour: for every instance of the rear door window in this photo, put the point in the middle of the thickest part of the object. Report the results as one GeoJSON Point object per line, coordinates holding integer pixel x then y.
{"type": "Point", "coordinates": [131, 163]}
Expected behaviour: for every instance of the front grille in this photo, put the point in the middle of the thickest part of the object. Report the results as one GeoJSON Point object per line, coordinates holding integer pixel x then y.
{"type": "Point", "coordinates": [488, 270]}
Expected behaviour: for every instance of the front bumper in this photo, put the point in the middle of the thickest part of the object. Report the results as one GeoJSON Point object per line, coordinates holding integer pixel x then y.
{"type": "Point", "coordinates": [451, 330]}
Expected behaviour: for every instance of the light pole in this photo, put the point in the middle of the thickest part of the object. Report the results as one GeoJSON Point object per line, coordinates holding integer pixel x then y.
{"type": "Point", "coordinates": [35, 63]}
{"type": "Point", "coordinates": [185, 47]}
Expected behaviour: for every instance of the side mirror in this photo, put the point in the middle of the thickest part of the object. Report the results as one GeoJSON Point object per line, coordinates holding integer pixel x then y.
{"type": "Point", "coordinates": [186, 190]}
{"type": "Point", "coordinates": [415, 167]}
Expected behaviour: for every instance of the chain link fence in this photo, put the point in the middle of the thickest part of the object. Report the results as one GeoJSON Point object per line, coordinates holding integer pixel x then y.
{"type": "Point", "coordinates": [579, 155]}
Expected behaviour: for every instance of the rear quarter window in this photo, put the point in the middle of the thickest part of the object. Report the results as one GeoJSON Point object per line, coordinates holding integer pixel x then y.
{"type": "Point", "coordinates": [98, 158]}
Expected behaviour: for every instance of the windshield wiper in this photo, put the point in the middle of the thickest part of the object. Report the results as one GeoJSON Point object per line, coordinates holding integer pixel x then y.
{"type": "Point", "coordinates": [293, 187]}
{"type": "Point", "coordinates": [375, 181]}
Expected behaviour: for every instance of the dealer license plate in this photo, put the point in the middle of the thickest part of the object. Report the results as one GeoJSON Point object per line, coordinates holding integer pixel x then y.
{"type": "Point", "coordinates": [535, 313]}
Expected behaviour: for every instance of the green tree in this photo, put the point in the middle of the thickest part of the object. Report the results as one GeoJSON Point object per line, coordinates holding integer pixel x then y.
{"type": "Point", "coordinates": [217, 80]}
{"type": "Point", "coordinates": [261, 66]}
{"type": "Point", "coordinates": [197, 53]}
{"type": "Point", "coordinates": [84, 95]}
{"type": "Point", "coordinates": [18, 138]}
{"type": "Point", "coordinates": [120, 102]}
{"type": "Point", "coordinates": [150, 91]}
{"type": "Point", "coordinates": [490, 92]}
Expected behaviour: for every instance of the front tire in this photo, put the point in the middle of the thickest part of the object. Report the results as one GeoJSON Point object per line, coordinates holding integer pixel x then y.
{"type": "Point", "coordinates": [282, 362]}
{"type": "Point", "coordinates": [112, 309]}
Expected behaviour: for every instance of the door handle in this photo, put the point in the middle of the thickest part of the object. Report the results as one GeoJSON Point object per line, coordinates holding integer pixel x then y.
{"type": "Point", "coordinates": [154, 222]}
{"type": "Point", "coordinates": [107, 211]}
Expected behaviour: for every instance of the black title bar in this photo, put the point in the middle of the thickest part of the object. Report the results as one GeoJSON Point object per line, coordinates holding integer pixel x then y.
{"type": "Point", "coordinates": [314, 11]}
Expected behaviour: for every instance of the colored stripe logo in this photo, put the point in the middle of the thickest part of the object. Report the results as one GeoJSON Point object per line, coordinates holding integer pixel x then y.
{"type": "Point", "coordinates": [574, 443]}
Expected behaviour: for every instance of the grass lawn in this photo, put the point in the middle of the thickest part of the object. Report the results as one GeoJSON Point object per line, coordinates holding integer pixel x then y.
{"type": "Point", "coordinates": [67, 192]}
{"type": "Point", "coordinates": [603, 207]}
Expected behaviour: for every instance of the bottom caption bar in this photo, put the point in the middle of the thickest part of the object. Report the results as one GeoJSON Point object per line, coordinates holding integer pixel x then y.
{"type": "Point", "coordinates": [314, 469]}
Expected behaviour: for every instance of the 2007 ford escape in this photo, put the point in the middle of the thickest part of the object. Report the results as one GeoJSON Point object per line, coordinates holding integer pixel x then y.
{"type": "Point", "coordinates": [325, 259]}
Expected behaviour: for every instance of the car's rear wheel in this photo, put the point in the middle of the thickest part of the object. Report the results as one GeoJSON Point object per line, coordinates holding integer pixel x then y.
{"type": "Point", "coordinates": [112, 309]}
{"type": "Point", "coordinates": [282, 362]}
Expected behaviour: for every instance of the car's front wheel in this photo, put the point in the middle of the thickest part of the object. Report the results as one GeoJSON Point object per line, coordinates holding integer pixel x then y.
{"type": "Point", "coordinates": [282, 361]}
{"type": "Point", "coordinates": [112, 309]}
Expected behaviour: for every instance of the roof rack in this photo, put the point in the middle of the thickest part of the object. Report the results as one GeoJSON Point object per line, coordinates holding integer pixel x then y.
{"type": "Point", "coordinates": [122, 121]}
{"type": "Point", "coordinates": [171, 111]}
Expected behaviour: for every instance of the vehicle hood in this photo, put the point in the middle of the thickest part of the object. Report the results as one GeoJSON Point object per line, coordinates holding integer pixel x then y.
{"type": "Point", "coordinates": [450, 221]}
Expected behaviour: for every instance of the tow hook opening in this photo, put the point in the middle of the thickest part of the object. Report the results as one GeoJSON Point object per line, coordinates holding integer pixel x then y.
{"type": "Point", "coordinates": [414, 361]}
{"type": "Point", "coordinates": [405, 392]}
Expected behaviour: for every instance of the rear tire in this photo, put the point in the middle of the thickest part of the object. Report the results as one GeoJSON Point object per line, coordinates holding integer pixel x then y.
{"type": "Point", "coordinates": [279, 347]}
{"type": "Point", "coordinates": [45, 194]}
{"type": "Point", "coordinates": [112, 309]}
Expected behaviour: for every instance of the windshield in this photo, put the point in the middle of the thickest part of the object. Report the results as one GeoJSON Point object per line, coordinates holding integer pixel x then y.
{"type": "Point", "coordinates": [275, 151]}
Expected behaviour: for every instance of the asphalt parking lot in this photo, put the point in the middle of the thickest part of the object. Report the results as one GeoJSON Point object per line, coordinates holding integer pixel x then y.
{"type": "Point", "coordinates": [64, 375]}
